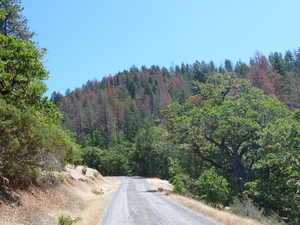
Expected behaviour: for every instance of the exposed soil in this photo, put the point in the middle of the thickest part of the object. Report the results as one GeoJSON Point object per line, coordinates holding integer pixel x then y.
{"type": "Point", "coordinates": [73, 198]}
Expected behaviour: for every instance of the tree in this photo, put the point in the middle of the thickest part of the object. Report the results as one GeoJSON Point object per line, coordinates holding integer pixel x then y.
{"type": "Point", "coordinates": [22, 73]}
{"type": "Point", "coordinates": [277, 173]}
{"type": "Point", "coordinates": [153, 151]}
{"type": "Point", "coordinates": [56, 98]}
{"type": "Point", "coordinates": [278, 63]}
{"type": "Point", "coordinates": [225, 135]}
{"type": "Point", "coordinates": [228, 65]}
{"type": "Point", "coordinates": [263, 76]}
{"type": "Point", "coordinates": [12, 22]}
{"type": "Point", "coordinates": [289, 59]}
{"type": "Point", "coordinates": [201, 71]}
{"type": "Point", "coordinates": [218, 87]}
{"type": "Point", "coordinates": [241, 69]}
{"type": "Point", "coordinates": [132, 122]}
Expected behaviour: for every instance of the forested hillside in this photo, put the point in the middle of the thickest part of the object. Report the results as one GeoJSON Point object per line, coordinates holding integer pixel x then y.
{"type": "Point", "coordinates": [116, 105]}
{"type": "Point", "coordinates": [216, 132]}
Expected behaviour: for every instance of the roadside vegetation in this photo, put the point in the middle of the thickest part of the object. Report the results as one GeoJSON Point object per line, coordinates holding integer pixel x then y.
{"type": "Point", "coordinates": [67, 220]}
{"type": "Point", "coordinates": [32, 143]}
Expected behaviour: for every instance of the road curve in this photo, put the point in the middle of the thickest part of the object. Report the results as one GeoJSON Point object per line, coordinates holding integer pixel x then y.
{"type": "Point", "coordinates": [136, 203]}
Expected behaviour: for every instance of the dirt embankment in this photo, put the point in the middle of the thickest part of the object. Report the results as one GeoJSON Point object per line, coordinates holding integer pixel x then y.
{"type": "Point", "coordinates": [74, 198]}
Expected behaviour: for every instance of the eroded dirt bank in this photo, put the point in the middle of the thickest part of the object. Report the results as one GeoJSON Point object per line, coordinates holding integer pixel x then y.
{"type": "Point", "coordinates": [74, 198]}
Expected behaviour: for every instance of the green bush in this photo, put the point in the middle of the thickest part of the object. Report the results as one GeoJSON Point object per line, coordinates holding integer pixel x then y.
{"type": "Point", "coordinates": [212, 188]}
{"type": "Point", "coordinates": [114, 163]}
{"type": "Point", "coordinates": [178, 185]}
{"type": "Point", "coordinates": [97, 192]}
{"type": "Point", "coordinates": [63, 220]}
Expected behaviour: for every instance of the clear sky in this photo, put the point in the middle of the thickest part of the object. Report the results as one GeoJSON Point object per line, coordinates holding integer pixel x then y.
{"type": "Point", "coordinates": [94, 38]}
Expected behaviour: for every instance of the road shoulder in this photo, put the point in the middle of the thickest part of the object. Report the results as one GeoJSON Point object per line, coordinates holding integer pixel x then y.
{"type": "Point", "coordinates": [165, 188]}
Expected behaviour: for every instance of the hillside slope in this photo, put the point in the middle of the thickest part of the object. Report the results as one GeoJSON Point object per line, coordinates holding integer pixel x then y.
{"type": "Point", "coordinates": [74, 198]}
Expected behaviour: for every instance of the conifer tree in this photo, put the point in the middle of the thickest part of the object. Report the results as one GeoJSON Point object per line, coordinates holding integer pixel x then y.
{"type": "Point", "coordinates": [12, 22]}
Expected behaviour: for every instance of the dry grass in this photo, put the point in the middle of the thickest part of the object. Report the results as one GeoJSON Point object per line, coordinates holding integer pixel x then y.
{"type": "Point", "coordinates": [219, 215]}
{"type": "Point", "coordinates": [224, 217]}
{"type": "Point", "coordinates": [74, 198]}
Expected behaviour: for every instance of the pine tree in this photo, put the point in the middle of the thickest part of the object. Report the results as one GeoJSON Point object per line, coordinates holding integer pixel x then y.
{"type": "Point", "coordinates": [12, 22]}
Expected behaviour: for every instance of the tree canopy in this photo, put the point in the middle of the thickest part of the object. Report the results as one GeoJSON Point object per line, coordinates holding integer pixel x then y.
{"type": "Point", "coordinates": [22, 72]}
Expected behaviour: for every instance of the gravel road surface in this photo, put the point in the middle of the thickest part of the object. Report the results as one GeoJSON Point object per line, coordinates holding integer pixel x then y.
{"type": "Point", "coordinates": [136, 203]}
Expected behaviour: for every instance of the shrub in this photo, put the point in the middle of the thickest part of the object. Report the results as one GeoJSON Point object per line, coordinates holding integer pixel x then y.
{"type": "Point", "coordinates": [63, 220]}
{"type": "Point", "coordinates": [245, 207]}
{"type": "Point", "coordinates": [96, 192]}
{"type": "Point", "coordinates": [160, 189]}
{"type": "Point", "coordinates": [84, 169]}
{"type": "Point", "coordinates": [178, 185]}
{"type": "Point", "coordinates": [28, 146]}
{"type": "Point", "coordinates": [212, 188]}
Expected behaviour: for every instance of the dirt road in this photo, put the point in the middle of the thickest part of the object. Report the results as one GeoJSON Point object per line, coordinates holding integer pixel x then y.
{"type": "Point", "coordinates": [136, 203]}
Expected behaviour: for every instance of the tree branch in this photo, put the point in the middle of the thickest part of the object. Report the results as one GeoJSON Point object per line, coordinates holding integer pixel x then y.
{"type": "Point", "coordinates": [197, 149]}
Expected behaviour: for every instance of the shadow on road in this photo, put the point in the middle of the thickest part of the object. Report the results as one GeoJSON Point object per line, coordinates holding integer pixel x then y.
{"type": "Point", "coordinates": [150, 191]}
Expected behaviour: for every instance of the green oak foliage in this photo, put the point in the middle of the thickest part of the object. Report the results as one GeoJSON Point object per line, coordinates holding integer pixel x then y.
{"type": "Point", "coordinates": [244, 134]}
{"type": "Point", "coordinates": [277, 173]}
{"type": "Point", "coordinates": [219, 86]}
{"type": "Point", "coordinates": [225, 134]}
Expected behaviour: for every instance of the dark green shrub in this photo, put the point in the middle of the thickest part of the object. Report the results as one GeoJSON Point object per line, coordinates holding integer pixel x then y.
{"type": "Point", "coordinates": [212, 188]}
{"type": "Point", "coordinates": [178, 185]}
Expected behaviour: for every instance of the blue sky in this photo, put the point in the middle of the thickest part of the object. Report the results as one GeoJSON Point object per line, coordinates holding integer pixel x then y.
{"type": "Point", "coordinates": [94, 38]}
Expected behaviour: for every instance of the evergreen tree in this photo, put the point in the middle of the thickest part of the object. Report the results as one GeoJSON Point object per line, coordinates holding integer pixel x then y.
{"type": "Point", "coordinates": [12, 22]}
{"type": "Point", "coordinates": [228, 65]}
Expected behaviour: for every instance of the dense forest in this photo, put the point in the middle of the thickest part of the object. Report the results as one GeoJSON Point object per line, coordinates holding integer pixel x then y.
{"type": "Point", "coordinates": [226, 134]}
